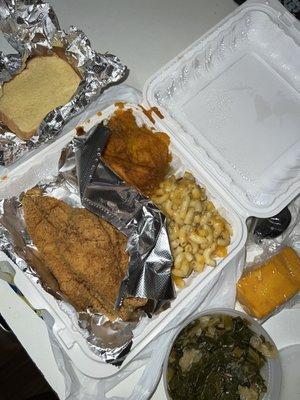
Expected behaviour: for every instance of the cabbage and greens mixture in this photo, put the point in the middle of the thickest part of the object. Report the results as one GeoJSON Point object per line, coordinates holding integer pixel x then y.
{"type": "Point", "coordinates": [218, 357]}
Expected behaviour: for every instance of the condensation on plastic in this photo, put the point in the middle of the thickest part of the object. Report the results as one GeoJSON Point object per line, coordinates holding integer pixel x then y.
{"type": "Point", "coordinates": [289, 237]}
{"type": "Point", "coordinates": [257, 254]}
{"type": "Point", "coordinates": [233, 99]}
{"type": "Point", "coordinates": [272, 227]}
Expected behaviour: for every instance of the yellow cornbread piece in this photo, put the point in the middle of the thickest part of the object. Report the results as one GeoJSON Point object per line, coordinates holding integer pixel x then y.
{"type": "Point", "coordinates": [261, 290]}
{"type": "Point", "coordinates": [46, 83]}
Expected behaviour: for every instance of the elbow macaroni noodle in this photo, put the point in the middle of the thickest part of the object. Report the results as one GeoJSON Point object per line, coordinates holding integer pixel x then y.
{"type": "Point", "coordinates": [197, 232]}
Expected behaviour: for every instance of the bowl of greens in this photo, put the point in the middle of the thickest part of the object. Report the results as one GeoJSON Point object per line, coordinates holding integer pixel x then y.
{"type": "Point", "coordinates": [222, 354]}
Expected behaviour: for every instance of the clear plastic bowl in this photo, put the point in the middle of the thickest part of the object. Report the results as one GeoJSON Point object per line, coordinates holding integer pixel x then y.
{"type": "Point", "coordinates": [271, 372]}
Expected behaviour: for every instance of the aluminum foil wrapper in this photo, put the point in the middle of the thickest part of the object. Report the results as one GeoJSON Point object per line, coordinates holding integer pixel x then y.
{"type": "Point", "coordinates": [111, 341]}
{"type": "Point", "coordinates": [104, 193]}
{"type": "Point", "coordinates": [32, 28]}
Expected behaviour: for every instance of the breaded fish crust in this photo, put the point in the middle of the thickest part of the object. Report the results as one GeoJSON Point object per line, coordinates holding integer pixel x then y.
{"type": "Point", "coordinates": [85, 254]}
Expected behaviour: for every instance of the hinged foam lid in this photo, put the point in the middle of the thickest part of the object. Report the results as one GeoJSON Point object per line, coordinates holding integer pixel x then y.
{"type": "Point", "coordinates": [234, 99]}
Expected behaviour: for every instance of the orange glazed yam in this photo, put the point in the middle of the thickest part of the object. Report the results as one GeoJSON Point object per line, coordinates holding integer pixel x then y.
{"type": "Point", "coordinates": [261, 290]}
{"type": "Point", "coordinates": [135, 153]}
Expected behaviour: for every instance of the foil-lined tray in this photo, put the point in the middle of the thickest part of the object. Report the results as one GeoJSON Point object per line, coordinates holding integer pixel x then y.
{"type": "Point", "coordinates": [32, 28]}
{"type": "Point", "coordinates": [84, 179]}
{"type": "Point", "coordinates": [107, 339]}
{"type": "Point", "coordinates": [105, 194]}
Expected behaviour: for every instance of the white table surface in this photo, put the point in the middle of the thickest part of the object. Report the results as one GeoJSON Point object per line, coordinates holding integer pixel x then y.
{"type": "Point", "coordinates": [145, 34]}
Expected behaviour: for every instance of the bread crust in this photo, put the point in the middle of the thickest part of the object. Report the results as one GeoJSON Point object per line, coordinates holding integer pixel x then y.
{"type": "Point", "coordinates": [9, 122]}
{"type": "Point", "coordinates": [47, 82]}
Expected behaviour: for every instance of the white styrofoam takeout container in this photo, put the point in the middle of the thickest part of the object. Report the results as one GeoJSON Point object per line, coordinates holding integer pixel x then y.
{"type": "Point", "coordinates": [230, 104]}
{"type": "Point", "coordinates": [64, 327]}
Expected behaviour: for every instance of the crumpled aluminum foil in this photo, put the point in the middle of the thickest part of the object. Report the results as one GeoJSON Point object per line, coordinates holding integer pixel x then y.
{"type": "Point", "coordinates": [104, 193]}
{"type": "Point", "coordinates": [32, 28]}
{"type": "Point", "coordinates": [111, 341]}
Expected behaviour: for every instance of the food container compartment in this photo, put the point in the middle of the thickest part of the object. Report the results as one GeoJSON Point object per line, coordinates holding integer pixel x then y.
{"type": "Point", "coordinates": [207, 96]}
{"type": "Point", "coordinates": [65, 325]}
{"type": "Point", "coordinates": [271, 372]}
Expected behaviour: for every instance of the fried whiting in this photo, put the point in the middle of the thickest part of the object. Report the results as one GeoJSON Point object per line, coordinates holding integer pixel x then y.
{"type": "Point", "coordinates": [85, 254]}
{"type": "Point", "coordinates": [137, 154]}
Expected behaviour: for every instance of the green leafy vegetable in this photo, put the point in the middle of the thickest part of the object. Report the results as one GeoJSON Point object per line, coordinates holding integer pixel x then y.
{"type": "Point", "coordinates": [213, 358]}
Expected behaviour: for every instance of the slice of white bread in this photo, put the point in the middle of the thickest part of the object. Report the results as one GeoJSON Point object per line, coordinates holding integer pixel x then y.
{"type": "Point", "coordinates": [46, 83]}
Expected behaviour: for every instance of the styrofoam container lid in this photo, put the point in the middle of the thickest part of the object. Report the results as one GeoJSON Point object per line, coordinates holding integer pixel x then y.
{"type": "Point", "coordinates": [234, 97]}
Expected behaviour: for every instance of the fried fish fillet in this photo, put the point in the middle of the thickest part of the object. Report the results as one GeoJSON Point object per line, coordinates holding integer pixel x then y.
{"type": "Point", "coordinates": [85, 254]}
{"type": "Point", "coordinates": [137, 154]}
